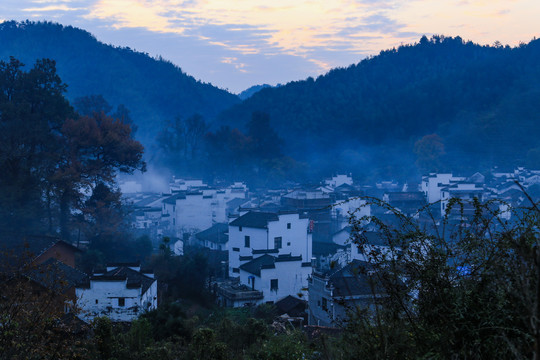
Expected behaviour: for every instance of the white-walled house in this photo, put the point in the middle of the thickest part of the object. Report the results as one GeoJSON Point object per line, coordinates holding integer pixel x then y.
{"type": "Point", "coordinates": [193, 211]}
{"type": "Point", "coordinates": [276, 276]}
{"type": "Point", "coordinates": [287, 233]}
{"type": "Point", "coordinates": [270, 254]}
{"type": "Point", "coordinates": [339, 180]}
{"type": "Point", "coordinates": [122, 293]}
{"type": "Point", "coordinates": [433, 183]}
{"type": "Point", "coordinates": [464, 191]}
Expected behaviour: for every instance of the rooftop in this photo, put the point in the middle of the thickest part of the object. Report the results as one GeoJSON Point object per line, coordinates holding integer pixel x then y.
{"type": "Point", "coordinates": [218, 234]}
{"type": "Point", "coordinates": [266, 262]}
{"type": "Point", "coordinates": [255, 219]}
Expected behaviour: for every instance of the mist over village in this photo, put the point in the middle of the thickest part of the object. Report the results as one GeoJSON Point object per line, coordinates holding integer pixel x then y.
{"type": "Point", "coordinates": [216, 180]}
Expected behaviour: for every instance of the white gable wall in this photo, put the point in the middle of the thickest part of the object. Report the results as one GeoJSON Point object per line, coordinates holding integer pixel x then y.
{"type": "Point", "coordinates": [291, 276]}
{"type": "Point", "coordinates": [294, 240]}
{"type": "Point", "coordinates": [293, 230]}
{"type": "Point", "coordinates": [102, 299]}
{"type": "Point", "coordinates": [258, 239]}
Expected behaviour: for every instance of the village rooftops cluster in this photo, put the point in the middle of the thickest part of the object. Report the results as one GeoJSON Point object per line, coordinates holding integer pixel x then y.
{"type": "Point", "coordinates": [273, 240]}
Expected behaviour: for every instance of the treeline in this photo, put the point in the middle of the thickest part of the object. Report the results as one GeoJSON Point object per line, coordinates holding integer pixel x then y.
{"type": "Point", "coordinates": [468, 105]}
{"type": "Point", "coordinates": [153, 89]}
{"type": "Point", "coordinates": [481, 101]}
{"type": "Point", "coordinates": [190, 146]}
{"type": "Point", "coordinates": [59, 167]}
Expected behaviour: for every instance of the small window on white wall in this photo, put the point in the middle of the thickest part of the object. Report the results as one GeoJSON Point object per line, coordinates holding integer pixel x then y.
{"type": "Point", "coordinates": [274, 284]}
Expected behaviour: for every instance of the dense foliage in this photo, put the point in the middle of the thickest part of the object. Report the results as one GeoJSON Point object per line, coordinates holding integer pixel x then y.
{"type": "Point", "coordinates": [467, 287]}
{"type": "Point", "coordinates": [189, 147]}
{"type": "Point", "coordinates": [480, 100]}
{"type": "Point", "coordinates": [154, 90]}
{"type": "Point", "coordinates": [58, 168]}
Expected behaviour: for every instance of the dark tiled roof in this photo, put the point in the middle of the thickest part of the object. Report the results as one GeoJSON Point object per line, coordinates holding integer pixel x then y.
{"type": "Point", "coordinates": [172, 200]}
{"type": "Point", "coordinates": [57, 276]}
{"type": "Point", "coordinates": [291, 305]}
{"type": "Point", "coordinates": [372, 238]}
{"type": "Point", "coordinates": [325, 248]}
{"type": "Point", "coordinates": [147, 201]}
{"type": "Point", "coordinates": [18, 251]}
{"type": "Point", "coordinates": [128, 264]}
{"type": "Point", "coordinates": [217, 234]}
{"type": "Point", "coordinates": [353, 280]}
{"type": "Point", "coordinates": [262, 262]}
{"type": "Point", "coordinates": [265, 251]}
{"type": "Point", "coordinates": [37, 245]}
{"type": "Point", "coordinates": [266, 262]}
{"type": "Point", "coordinates": [254, 219]}
{"type": "Point", "coordinates": [134, 278]}
{"type": "Point", "coordinates": [236, 203]}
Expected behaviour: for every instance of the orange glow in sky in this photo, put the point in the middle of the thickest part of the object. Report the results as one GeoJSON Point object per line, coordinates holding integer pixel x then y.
{"type": "Point", "coordinates": [250, 36]}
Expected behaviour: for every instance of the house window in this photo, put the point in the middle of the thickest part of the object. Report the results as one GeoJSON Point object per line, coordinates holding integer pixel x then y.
{"type": "Point", "coordinates": [121, 302]}
{"type": "Point", "coordinates": [236, 249]}
{"type": "Point", "coordinates": [97, 301]}
{"type": "Point", "coordinates": [273, 284]}
{"type": "Point", "coordinates": [277, 242]}
{"type": "Point", "coordinates": [236, 270]}
{"type": "Point", "coordinates": [325, 304]}
{"type": "Point", "coordinates": [289, 244]}
{"type": "Point", "coordinates": [239, 228]}
{"type": "Point", "coordinates": [288, 225]}
{"type": "Point", "coordinates": [246, 241]}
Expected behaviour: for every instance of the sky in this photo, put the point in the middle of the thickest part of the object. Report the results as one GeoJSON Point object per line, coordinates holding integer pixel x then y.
{"type": "Point", "coordinates": [235, 44]}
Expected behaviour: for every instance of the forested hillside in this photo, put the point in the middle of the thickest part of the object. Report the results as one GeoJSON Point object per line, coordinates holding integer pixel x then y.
{"type": "Point", "coordinates": [442, 103]}
{"type": "Point", "coordinates": [154, 90]}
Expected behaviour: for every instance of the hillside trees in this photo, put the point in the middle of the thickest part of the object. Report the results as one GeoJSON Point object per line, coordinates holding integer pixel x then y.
{"type": "Point", "coordinates": [465, 288]}
{"type": "Point", "coordinates": [50, 156]}
{"type": "Point", "coordinates": [256, 155]}
{"type": "Point", "coordinates": [32, 112]}
{"type": "Point", "coordinates": [188, 146]}
{"type": "Point", "coordinates": [96, 148]}
{"type": "Point", "coordinates": [180, 140]}
{"type": "Point", "coordinates": [481, 101]}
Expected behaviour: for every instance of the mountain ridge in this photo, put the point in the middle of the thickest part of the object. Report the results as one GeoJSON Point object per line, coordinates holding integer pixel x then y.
{"type": "Point", "coordinates": [153, 89]}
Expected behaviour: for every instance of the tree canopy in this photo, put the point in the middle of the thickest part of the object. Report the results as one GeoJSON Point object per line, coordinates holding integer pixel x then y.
{"type": "Point", "coordinates": [50, 156]}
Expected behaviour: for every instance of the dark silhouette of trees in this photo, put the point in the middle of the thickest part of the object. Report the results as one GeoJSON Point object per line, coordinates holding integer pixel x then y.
{"type": "Point", "coordinates": [32, 111]}
{"type": "Point", "coordinates": [429, 151]}
{"type": "Point", "coordinates": [153, 89]}
{"type": "Point", "coordinates": [88, 105]}
{"type": "Point", "coordinates": [466, 287]}
{"type": "Point", "coordinates": [472, 96]}
{"type": "Point", "coordinates": [50, 156]}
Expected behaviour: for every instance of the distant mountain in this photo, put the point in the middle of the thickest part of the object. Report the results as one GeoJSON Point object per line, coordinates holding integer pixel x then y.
{"type": "Point", "coordinates": [252, 90]}
{"type": "Point", "coordinates": [481, 102]}
{"type": "Point", "coordinates": [154, 90]}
